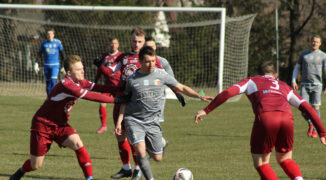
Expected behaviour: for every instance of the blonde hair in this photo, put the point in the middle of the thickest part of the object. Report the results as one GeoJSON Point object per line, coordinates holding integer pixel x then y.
{"type": "Point", "coordinates": [70, 60]}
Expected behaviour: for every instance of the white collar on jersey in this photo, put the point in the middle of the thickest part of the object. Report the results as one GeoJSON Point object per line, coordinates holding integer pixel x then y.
{"type": "Point", "coordinates": [69, 77]}
{"type": "Point", "coordinates": [111, 54]}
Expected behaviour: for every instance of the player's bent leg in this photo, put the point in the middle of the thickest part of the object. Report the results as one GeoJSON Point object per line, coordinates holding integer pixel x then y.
{"type": "Point", "coordinates": [288, 165]}
{"type": "Point", "coordinates": [156, 157]}
{"type": "Point", "coordinates": [35, 162]}
{"type": "Point", "coordinates": [74, 142]}
{"type": "Point", "coordinates": [29, 165]}
{"type": "Point", "coordinates": [261, 163]}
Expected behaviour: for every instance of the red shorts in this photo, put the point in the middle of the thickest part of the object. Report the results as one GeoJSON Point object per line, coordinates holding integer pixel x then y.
{"type": "Point", "coordinates": [272, 129]}
{"type": "Point", "coordinates": [43, 135]}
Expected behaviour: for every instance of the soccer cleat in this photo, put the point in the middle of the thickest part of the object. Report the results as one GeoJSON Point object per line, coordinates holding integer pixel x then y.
{"type": "Point", "coordinates": [89, 178]}
{"type": "Point", "coordinates": [101, 129]}
{"type": "Point", "coordinates": [18, 174]}
{"type": "Point", "coordinates": [122, 173]}
{"type": "Point", "coordinates": [314, 134]}
{"type": "Point", "coordinates": [136, 175]}
{"type": "Point", "coordinates": [310, 130]}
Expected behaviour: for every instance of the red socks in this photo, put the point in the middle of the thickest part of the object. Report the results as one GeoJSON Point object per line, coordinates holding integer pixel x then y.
{"type": "Point", "coordinates": [27, 166]}
{"type": "Point", "coordinates": [84, 161]}
{"type": "Point", "coordinates": [134, 155]}
{"type": "Point", "coordinates": [124, 150]}
{"type": "Point", "coordinates": [103, 115]}
{"type": "Point", "coordinates": [266, 172]}
{"type": "Point", "coordinates": [291, 168]}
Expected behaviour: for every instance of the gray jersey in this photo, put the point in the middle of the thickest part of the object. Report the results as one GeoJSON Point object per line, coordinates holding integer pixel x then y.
{"type": "Point", "coordinates": [311, 64]}
{"type": "Point", "coordinates": [147, 91]}
{"type": "Point", "coordinates": [166, 65]}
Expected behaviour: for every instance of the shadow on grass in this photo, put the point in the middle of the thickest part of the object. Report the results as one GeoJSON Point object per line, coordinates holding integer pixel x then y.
{"type": "Point", "coordinates": [54, 155]}
{"type": "Point", "coordinates": [216, 135]}
{"type": "Point", "coordinates": [39, 177]}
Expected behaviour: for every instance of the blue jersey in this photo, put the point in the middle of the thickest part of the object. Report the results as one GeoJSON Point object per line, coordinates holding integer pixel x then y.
{"type": "Point", "coordinates": [51, 51]}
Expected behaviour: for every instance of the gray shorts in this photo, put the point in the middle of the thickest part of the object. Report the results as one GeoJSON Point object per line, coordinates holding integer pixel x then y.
{"type": "Point", "coordinates": [149, 133]}
{"type": "Point", "coordinates": [311, 93]}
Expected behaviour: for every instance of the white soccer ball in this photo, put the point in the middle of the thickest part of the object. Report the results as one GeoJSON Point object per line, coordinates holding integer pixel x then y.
{"type": "Point", "coordinates": [183, 174]}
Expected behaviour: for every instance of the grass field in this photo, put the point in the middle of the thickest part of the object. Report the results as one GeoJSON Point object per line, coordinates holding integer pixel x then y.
{"type": "Point", "coordinates": [217, 148]}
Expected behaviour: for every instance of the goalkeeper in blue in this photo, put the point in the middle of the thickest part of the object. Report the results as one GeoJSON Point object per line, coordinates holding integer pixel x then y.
{"type": "Point", "coordinates": [51, 48]}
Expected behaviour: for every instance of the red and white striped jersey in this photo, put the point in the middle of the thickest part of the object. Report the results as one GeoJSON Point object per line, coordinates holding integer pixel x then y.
{"type": "Point", "coordinates": [269, 94]}
{"type": "Point", "coordinates": [55, 109]}
{"type": "Point", "coordinates": [127, 63]}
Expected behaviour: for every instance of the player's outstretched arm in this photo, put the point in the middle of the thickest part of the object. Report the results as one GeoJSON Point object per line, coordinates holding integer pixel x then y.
{"type": "Point", "coordinates": [191, 93]}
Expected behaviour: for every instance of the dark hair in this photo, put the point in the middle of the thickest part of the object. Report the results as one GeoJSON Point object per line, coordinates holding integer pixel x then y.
{"type": "Point", "coordinates": [146, 50]}
{"type": "Point", "coordinates": [138, 32]}
{"type": "Point", "coordinates": [266, 67]}
{"type": "Point", "coordinates": [70, 60]}
{"type": "Point", "coordinates": [113, 38]}
{"type": "Point", "coordinates": [149, 38]}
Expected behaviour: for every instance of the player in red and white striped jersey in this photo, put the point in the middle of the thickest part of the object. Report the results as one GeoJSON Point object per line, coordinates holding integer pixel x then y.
{"type": "Point", "coordinates": [50, 122]}
{"type": "Point", "coordinates": [107, 59]}
{"type": "Point", "coordinates": [273, 126]}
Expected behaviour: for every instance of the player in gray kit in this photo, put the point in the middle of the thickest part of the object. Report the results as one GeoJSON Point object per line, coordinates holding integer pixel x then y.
{"type": "Point", "coordinates": [141, 115]}
{"type": "Point", "coordinates": [166, 66]}
{"type": "Point", "coordinates": [310, 64]}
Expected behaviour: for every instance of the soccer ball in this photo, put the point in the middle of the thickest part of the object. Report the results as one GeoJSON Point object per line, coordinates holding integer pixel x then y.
{"type": "Point", "coordinates": [183, 174]}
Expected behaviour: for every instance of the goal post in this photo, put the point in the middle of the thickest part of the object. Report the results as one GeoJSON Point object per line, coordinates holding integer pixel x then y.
{"type": "Point", "coordinates": [200, 43]}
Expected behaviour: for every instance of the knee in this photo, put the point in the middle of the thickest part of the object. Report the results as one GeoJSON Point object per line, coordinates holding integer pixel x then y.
{"type": "Point", "coordinates": [157, 158]}
{"type": "Point", "coordinates": [36, 165]}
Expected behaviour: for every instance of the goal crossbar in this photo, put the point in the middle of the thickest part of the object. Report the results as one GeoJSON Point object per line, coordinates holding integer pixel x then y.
{"type": "Point", "coordinates": [119, 8]}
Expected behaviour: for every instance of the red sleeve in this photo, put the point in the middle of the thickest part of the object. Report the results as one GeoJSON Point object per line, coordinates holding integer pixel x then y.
{"type": "Point", "coordinates": [312, 114]}
{"type": "Point", "coordinates": [86, 84]}
{"type": "Point", "coordinates": [222, 97]}
{"type": "Point", "coordinates": [93, 96]}
{"type": "Point", "coordinates": [107, 71]}
{"type": "Point", "coordinates": [82, 91]}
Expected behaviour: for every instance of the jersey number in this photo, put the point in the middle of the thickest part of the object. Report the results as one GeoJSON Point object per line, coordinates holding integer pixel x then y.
{"type": "Point", "coordinates": [276, 85]}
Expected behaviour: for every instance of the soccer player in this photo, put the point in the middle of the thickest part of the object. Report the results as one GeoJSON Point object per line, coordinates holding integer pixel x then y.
{"type": "Point", "coordinates": [273, 126]}
{"type": "Point", "coordinates": [51, 48]}
{"type": "Point", "coordinates": [166, 66]}
{"type": "Point", "coordinates": [141, 114]}
{"type": "Point", "coordinates": [107, 59]}
{"type": "Point", "coordinates": [127, 64]}
{"type": "Point", "coordinates": [310, 63]}
{"type": "Point", "coordinates": [50, 122]}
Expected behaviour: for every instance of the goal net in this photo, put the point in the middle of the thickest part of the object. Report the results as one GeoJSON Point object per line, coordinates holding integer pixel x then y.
{"type": "Point", "coordinates": [189, 40]}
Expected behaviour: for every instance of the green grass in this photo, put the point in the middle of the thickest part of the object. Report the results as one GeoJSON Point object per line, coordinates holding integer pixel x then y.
{"type": "Point", "coordinates": [217, 148]}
